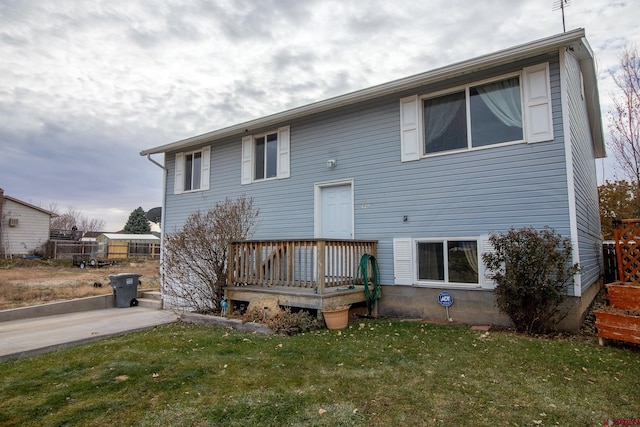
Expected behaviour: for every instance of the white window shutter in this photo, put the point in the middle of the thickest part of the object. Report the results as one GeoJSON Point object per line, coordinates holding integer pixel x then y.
{"type": "Point", "coordinates": [206, 167]}
{"type": "Point", "coordinates": [283, 152]}
{"type": "Point", "coordinates": [486, 247]}
{"type": "Point", "coordinates": [537, 103]}
{"type": "Point", "coordinates": [410, 130]}
{"type": "Point", "coordinates": [178, 182]}
{"type": "Point", "coordinates": [247, 155]}
{"type": "Point", "coordinates": [403, 261]}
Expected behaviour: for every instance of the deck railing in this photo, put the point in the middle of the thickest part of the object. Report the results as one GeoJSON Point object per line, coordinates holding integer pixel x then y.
{"type": "Point", "coordinates": [314, 263]}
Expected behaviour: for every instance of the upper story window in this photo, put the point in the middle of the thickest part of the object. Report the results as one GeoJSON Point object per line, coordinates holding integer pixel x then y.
{"type": "Point", "coordinates": [510, 108]}
{"type": "Point", "coordinates": [192, 170]}
{"type": "Point", "coordinates": [265, 156]}
{"type": "Point", "coordinates": [475, 116]}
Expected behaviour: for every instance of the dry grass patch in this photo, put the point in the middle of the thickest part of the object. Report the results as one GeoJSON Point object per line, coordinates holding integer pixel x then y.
{"type": "Point", "coordinates": [31, 282]}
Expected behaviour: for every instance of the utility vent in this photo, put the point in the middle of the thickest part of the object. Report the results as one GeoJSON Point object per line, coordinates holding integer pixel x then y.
{"type": "Point", "coordinates": [13, 222]}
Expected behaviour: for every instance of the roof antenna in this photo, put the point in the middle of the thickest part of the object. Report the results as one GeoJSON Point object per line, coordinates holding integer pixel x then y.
{"type": "Point", "coordinates": [561, 4]}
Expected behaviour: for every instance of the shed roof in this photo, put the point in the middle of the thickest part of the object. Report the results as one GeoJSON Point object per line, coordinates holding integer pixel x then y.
{"type": "Point", "coordinates": [574, 40]}
{"type": "Point", "coordinates": [118, 236]}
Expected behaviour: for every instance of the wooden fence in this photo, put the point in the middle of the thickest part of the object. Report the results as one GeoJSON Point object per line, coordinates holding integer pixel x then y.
{"type": "Point", "coordinates": [610, 262]}
{"type": "Point", "coordinates": [64, 249]}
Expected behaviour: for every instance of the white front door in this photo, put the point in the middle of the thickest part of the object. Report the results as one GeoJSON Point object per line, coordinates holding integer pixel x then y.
{"type": "Point", "coordinates": [336, 212]}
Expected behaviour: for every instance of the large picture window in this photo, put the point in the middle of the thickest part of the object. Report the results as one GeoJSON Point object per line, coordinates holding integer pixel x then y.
{"type": "Point", "coordinates": [447, 261]}
{"type": "Point", "coordinates": [477, 116]}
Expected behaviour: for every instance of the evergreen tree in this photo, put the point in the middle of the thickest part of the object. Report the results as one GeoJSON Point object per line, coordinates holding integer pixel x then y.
{"type": "Point", "coordinates": [137, 223]}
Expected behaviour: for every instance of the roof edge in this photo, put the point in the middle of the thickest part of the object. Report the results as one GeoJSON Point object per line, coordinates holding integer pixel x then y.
{"type": "Point", "coordinates": [29, 205]}
{"type": "Point", "coordinates": [532, 48]}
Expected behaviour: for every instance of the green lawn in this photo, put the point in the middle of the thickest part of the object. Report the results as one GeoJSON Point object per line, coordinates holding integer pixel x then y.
{"type": "Point", "coordinates": [376, 373]}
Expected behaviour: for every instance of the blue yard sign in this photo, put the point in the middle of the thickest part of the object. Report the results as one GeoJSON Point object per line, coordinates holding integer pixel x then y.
{"type": "Point", "coordinates": [445, 299]}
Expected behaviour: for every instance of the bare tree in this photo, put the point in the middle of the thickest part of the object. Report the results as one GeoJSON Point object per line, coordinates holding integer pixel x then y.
{"type": "Point", "coordinates": [74, 218]}
{"type": "Point", "coordinates": [624, 118]}
{"type": "Point", "coordinates": [194, 263]}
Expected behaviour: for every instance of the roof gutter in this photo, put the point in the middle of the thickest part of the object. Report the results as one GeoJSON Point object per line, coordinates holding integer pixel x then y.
{"type": "Point", "coordinates": [534, 48]}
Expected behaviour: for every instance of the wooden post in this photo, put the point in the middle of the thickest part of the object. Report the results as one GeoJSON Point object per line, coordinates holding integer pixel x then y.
{"type": "Point", "coordinates": [320, 265]}
{"type": "Point", "coordinates": [616, 236]}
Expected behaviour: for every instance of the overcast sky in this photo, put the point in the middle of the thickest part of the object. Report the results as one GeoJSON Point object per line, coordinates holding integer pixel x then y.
{"type": "Point", "coordinates": [86, 85]}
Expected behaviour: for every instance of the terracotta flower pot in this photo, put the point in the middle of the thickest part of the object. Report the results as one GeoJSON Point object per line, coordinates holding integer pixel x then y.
{"type": "Point", "coordinates": [336, 319]}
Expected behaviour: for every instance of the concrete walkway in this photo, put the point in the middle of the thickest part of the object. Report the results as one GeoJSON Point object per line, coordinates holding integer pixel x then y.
{"type": "Point", "coordinates": [28, 337]}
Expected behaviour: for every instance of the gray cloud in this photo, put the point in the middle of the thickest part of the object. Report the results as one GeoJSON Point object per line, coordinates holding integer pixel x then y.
{"type": "Point", "coordinates": [84, 86]}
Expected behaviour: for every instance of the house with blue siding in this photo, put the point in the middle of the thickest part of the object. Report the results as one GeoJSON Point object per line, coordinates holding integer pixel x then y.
{"type": "Point", "coordinates": [426, 167]}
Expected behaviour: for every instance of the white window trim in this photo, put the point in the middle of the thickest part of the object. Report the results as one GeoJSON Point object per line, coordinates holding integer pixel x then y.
{"type": "Point", "coordinates": [405, 263]}
{"type": "Point", "coordinates": [467, 100]}
{"type": "Point", "coordinates": [536, 105]}
{"type": "Point", "coordinates": [248, 156]}
{"type": "Point", "coordinates": [205, 169]}
{"type": "Point", "coordinates": [445, 282]}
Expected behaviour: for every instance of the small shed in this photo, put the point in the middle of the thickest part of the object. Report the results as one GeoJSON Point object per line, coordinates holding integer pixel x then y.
{"type": "Point", "coordinates": [116, 245]}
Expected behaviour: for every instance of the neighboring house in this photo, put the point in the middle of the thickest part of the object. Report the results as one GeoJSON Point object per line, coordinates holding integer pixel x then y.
{"type": "Point", "coordinates": [429, 166]}
{"type": "Point", "coordinates": [24, 228]}
{"type": "Point", "coordinates": [120, 245]}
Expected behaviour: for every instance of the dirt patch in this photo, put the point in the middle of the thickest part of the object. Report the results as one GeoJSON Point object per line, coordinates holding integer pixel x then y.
{"type": "Point", "coordinates": [31, 282]}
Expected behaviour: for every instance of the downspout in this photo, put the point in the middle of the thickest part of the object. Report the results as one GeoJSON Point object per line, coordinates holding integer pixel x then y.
{"type": "Point", "coordinates": [155, 163]}
{"type": "Point", "coordinates": [162, 217]}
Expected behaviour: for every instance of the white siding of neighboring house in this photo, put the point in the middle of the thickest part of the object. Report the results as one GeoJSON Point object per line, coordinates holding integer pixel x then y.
{"type": "Point", "coordinates": [31, 231]}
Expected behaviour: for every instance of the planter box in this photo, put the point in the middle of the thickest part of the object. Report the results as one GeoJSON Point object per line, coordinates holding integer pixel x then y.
{"type": "Point", "coordinates": [618, 325]}
{"type": "Point", "coordinates": [624, 296]}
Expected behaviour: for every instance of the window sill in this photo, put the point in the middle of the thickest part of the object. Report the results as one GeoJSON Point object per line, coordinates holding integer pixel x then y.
{"type": "Point", "coordinates": [471, 150]}
{"type": "Point", "coordinates": [447, 285]}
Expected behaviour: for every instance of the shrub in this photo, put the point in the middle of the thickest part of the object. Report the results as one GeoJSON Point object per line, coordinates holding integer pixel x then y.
{"type": "Point", "coordinates": [532, 270]}
{"type": "Point", "coordinates": [285, 321]}
{"type": "Point", "coordinates": [195, 258]}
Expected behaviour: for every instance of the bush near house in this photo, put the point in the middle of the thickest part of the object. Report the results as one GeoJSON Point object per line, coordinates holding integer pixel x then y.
{"type": "Point", "coordinates": [532, 270]}
{"type": "Point", "coordinates": [195, 258]}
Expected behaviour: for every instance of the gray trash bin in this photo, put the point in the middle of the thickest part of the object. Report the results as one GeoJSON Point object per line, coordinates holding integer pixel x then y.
{"type": "Point", "coordinates": [125, 289]}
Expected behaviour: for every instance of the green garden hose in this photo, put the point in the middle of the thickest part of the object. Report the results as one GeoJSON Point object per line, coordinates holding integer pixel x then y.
{"type": "Point", "coordinates": [372, 297]}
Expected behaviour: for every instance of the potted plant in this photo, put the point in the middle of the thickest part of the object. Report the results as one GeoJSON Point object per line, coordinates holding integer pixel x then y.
{"type": "Point", "coordinates": [336, 316]}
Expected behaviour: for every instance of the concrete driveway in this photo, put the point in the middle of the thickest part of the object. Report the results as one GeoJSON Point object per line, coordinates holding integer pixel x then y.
{"type": "Point", "coordinates": [28, 337]}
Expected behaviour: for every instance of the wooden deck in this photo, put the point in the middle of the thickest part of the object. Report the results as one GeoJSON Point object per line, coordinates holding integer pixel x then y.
{"type": "Point", "coordinates": [312, 274]}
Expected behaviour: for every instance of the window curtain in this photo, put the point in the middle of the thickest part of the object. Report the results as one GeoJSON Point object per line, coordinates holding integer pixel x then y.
{"type": "Point", "coordinates": [438, 115]}
{"type": "Point", "coordinates": [431, 265]}
{"type": "Point", "coordinates": [503, 100]}
{"type": "Point", "coordinates": [471, 254]}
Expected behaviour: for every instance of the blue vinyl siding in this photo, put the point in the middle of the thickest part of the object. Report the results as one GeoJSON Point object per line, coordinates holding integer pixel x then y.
{"type": "Point", "coordinates": [463, 194]}
{"type": "Point", "coordinates": [585, 181]}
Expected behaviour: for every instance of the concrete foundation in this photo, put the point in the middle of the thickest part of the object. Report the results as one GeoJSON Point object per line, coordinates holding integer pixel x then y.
{"type": "Point", "coordinates": [471, 306]}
